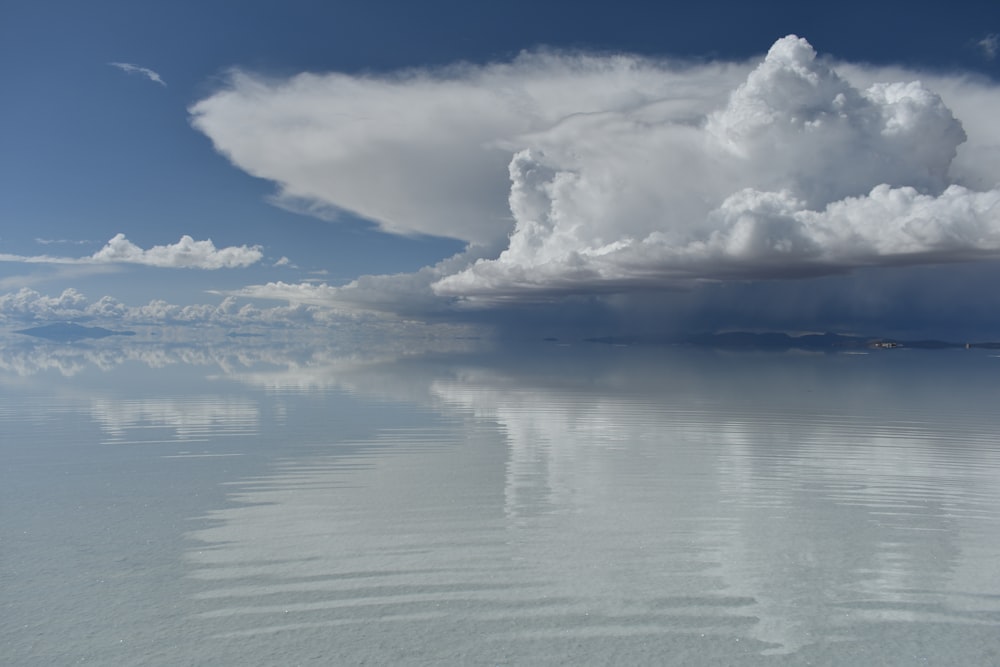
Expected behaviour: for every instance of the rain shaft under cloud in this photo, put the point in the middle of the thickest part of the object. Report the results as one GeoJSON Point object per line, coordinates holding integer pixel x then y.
{"type": "Point", "coordinates": [590, 175]}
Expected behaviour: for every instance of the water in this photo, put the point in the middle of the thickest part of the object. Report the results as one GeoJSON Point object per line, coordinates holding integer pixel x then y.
{"type": "Point", "coordinates": [239, 503]}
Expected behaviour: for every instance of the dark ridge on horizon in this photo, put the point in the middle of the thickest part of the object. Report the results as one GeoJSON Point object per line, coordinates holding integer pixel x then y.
{"type": "Point", "coordinates": [781, 341]}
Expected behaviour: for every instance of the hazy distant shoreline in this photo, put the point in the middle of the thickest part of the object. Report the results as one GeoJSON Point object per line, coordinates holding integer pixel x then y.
{"type": "Point", "coordinates": [781, 341]}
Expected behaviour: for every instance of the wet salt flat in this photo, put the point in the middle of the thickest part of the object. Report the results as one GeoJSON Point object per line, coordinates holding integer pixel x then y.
{"type": "Point", "coordinates": [549, 505]}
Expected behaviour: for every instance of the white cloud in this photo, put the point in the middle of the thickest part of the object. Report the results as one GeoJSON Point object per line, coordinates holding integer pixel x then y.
{"type": "Point", "coordinates": [425, 152]}
{"type": "Point", "coordinates": [61, 241]}
{"type": "Point", "coordinates": [129, 68]}
{"type": "Point", "coordinates": [29, 306]}
{"type": "Point", "coordinates": [402, 294]}
{"type": "Point", "coordinates": [186, 253]}
{"type": "Point", "coordinates": [989, 45]}
{"type": "Point", "coordinates": [407, 294]}
{"type": "Point", "coordinates": [800, 173]}
{"type": "Point", "coordinates": [591, 175]}
{"type": "Point", "coordinates": [307, 293]}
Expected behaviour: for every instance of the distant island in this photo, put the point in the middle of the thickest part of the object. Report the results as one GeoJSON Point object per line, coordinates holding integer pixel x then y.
{"type": "Point", "coordinates": [783, 341]}
{"type": "Point", "coordinates": [69, 332]}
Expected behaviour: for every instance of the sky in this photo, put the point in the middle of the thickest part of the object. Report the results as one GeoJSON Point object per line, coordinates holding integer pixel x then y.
{"type": "Point", "coordinates": [543, 168]}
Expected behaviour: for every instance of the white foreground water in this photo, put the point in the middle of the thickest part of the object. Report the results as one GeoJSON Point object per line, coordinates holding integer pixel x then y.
{"type": "Point", "coordinates": [243, 505]}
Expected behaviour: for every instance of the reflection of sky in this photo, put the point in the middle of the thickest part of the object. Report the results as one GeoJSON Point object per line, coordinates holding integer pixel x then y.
{"type": "Point", "coordinates": [609, 503]}
{"type": "Point", "coordinates": [863, 512]}
{"type": "Point", "coordinates": [25, 358]}
{"type": "Point", "coordinates": [189, 419]}
{"type": "Point", "coordinates": [785, 500]}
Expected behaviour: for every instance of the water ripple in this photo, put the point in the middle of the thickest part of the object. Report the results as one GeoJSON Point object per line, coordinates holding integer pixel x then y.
{"type": "Point", "coordinates": [529, 520]}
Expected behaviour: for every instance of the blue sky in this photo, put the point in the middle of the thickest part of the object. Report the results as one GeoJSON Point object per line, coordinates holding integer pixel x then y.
{"type": "Point", "coordinates": [315, 143]}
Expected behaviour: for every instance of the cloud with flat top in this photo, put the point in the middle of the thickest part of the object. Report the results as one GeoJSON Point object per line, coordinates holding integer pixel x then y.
{"type": "Point", "coordinates": [575, 175]}
{"type": "Point", "coordinates": [187, 253]}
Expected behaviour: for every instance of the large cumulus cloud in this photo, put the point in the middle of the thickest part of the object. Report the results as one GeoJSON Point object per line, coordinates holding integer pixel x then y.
{"type": "Point", "coordinates": [799, 173]}
{"type": "Point", "coordinates": [584, 175]}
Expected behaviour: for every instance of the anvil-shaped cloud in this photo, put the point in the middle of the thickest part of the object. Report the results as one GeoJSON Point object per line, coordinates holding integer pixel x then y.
{"type": "Point", "coordinates": [583, 175]}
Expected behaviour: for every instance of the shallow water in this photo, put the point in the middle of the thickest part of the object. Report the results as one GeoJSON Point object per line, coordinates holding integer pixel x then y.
{"type": "Point", "coordinates": [549, 505]}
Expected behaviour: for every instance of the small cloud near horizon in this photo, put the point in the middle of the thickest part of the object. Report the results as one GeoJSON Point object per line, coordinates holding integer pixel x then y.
{"type": "Point", "coordinates": [185, 254]}
{"type": "Point", "coordinates": [42, 241]}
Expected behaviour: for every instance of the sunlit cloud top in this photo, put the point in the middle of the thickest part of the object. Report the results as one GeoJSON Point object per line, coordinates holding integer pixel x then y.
{"type": "Point", "coordinates": [586, 175]}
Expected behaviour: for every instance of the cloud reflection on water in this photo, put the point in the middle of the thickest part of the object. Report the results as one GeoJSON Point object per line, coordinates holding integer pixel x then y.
{"type": "Point", "coordinates": [802, 505]}
{"type": "Point", "coordinates": [576, 502]}
{"type": "Point", "coordinates": [786, 500]}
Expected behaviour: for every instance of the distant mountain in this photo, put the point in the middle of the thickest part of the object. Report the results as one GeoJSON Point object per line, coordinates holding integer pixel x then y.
{"type": "Point", "coordinates": [68, 332]}
{"type": "Point", "coordinates": [783, 341]}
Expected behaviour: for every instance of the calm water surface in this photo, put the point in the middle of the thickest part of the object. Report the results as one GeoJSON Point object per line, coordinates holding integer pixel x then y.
{"type": "Point", "coordinates": [248, 505]}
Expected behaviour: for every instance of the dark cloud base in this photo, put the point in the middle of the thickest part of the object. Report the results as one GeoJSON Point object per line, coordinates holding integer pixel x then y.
{"type": "Point", "coordinates": [951, 302]}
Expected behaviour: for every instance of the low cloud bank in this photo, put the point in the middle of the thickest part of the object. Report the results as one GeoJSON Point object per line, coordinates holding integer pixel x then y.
{"type": "Point", "coordinates": [28, 306]}
{"type": "Point", "coordinates": [591, 175]}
